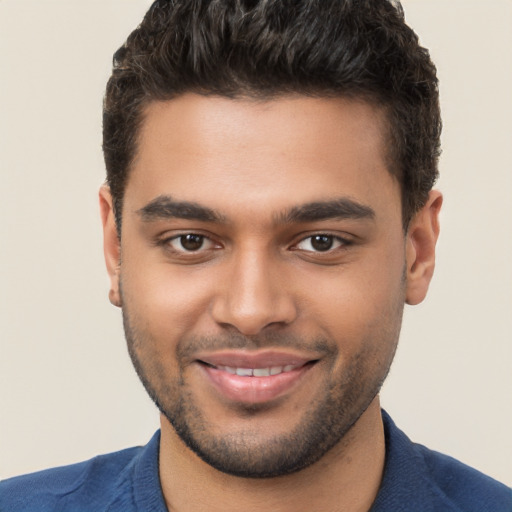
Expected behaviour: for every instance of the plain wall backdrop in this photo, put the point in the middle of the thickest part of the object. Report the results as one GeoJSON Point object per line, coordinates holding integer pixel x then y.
{"type": "Point", "coordinates": [67, 388]}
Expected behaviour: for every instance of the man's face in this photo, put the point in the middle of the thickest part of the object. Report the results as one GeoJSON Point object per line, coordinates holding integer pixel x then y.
{"type": "Point", "coordinates": [262, 274]}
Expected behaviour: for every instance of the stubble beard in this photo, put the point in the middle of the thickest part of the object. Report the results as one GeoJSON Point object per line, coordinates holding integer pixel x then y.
{"type": "Point", "coordinates": [339, 404]}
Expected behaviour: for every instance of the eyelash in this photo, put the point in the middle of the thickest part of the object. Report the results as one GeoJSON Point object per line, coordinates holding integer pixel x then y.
{"type": "Point", "coordinates": [338, 242]}
{"type": "Point", "coordinates": [332, 240]}
{"type": "Point", "coordinates": [169, 241]}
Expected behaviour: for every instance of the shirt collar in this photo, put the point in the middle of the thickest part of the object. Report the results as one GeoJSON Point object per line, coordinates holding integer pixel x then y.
{"type": "Point", "coordinates": [406, 484]}
{"type": "Point", "coordinates": [147, 491]}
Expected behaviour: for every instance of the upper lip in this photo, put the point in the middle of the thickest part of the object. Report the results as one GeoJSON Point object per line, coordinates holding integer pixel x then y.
{"type": "Point", "coordinates": [265, 359]}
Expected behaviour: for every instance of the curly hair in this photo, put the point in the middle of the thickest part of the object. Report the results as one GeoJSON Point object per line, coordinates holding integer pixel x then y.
{"type": "Point", "coordinates": [267, 48]}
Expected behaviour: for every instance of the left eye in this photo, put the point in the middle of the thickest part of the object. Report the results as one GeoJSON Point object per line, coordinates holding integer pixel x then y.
{"type": "Point", "coordinates": [319, 243]}
{"type": "Point", "coordinates": [190, 242]}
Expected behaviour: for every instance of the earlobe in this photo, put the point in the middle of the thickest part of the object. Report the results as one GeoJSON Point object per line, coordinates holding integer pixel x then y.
{"type": "Point", "coordinates": [421, 242]}
{"type": "Point", "coordinates": [111, 244]}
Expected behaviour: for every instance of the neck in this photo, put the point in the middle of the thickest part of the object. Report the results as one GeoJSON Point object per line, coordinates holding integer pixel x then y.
{"type": "Point", "coordinates": [346, 478]}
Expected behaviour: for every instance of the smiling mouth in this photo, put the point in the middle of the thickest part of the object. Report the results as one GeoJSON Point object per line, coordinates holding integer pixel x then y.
{"type": "Point", "coordinates": [252, 384]}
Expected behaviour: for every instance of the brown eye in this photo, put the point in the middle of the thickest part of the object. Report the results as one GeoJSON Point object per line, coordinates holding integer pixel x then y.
{"type": "Point", "coordinates": [190, 242]}
{"type": "Point", "coordinates": [322, 242]}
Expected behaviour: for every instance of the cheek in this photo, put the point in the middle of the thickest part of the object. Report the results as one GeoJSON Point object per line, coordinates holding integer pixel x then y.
{"type": "Point", "coordinates": [163, 300]}
{"type": "Point", "coordinates": [360, 303]}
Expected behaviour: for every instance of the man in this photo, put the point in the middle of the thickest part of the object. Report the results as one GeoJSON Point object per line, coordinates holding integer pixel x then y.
{"type": "Point", "coordinates": [269, 210]}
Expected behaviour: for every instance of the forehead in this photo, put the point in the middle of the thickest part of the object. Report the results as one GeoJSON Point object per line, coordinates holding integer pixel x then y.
{"type": "Point", "coordinates": [278, 153]}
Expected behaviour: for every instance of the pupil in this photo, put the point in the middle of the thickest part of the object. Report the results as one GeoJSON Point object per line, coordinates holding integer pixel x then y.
{"type": "Point", "coordinates": [192, 242]}
{"type": "Point", "coordinates": [322, 242]}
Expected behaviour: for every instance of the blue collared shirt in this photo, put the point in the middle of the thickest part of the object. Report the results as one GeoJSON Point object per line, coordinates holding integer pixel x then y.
{"type": "Point", "coordinates": [415, 479]}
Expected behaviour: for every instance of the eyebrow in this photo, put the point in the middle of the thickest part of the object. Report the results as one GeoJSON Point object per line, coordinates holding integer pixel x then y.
{"type": "Point", "coordinates": [164, 207]}
{"type": "Point", "coordinates": [343, 208]}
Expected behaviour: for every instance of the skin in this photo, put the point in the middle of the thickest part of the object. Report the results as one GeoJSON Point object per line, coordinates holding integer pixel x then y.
{"type": "Point", "coordinates": [256, 283]}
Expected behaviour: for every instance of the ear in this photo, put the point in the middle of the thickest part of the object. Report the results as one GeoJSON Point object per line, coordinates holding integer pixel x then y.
{"type": "Point", "coordinates": [420, 253]}
{"type": "Point", "coordinates": [111, 244]}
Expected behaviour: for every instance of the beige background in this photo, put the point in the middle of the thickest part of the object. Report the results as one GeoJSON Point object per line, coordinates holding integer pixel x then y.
{"type": "Point", "coordinates": [68, 391]}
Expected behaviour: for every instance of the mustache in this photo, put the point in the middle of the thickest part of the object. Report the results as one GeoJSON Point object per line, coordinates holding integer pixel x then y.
{"type": "Point", "coordinates": [189, 347]}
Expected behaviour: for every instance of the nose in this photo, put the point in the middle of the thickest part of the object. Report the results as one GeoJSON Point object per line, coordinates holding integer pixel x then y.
{"type": "Point", "coordinates": [254, 295]}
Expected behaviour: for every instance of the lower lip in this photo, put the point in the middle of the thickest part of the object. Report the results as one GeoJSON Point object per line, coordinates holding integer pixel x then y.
{"type": "Point", "coordinates": [254, 390]}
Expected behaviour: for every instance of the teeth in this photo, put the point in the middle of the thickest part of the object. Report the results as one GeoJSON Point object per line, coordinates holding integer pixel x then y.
{"type": "Point", "coordinates": [261, 372]}
{"type": "Point", "coordinates": [258, 372]}
{"type": "Point", "coordinates": [244, 372]}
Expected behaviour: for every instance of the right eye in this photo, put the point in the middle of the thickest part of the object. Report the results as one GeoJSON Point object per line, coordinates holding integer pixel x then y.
{"type": "Point", "coordinates": [190, 242]}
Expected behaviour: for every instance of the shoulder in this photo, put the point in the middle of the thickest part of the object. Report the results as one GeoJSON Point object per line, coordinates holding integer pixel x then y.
{"type": "Point", "coordinates": [464, 486]}
{"type": "Point", "coordinates": [417, 478]}
{"type": "Point", "coordinates": [87, 484]}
